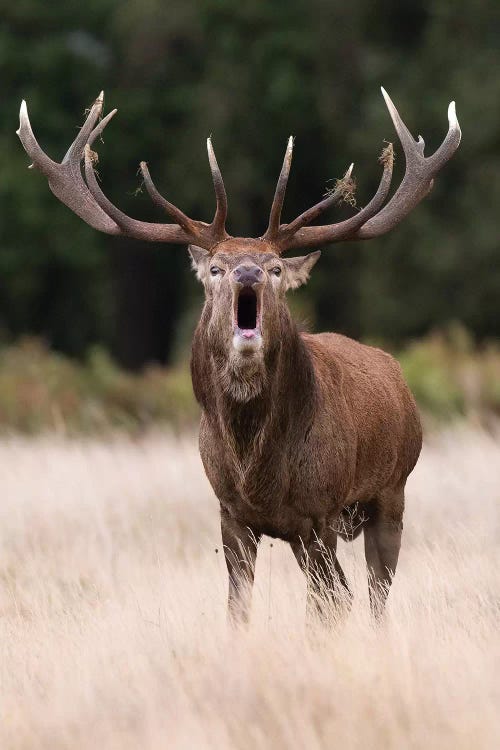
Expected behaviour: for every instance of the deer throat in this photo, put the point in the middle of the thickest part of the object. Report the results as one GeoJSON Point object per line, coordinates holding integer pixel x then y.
{"type": "Point", "coordinates": [243, 378]}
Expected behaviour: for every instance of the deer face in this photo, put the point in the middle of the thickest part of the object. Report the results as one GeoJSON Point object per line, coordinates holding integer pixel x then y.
{"type": "Point", "coordinates": [245, 294]}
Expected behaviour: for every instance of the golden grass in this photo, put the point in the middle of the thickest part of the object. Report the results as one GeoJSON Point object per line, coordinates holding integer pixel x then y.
{"type": "Point", "coordinates": [112, 601]}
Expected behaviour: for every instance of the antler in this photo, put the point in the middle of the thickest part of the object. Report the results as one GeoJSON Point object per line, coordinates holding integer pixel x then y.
{"type": "Point", "coordinates": [372, 220]}
{"type": "Point", "coordinates": [88, 201]}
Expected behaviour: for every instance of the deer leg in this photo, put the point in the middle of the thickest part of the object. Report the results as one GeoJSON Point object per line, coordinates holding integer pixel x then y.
{"type": "Point", "coordinates": [240, 552]}
{"type": "Point", "coordinates": [326, 581]}
{"type": "Point", "coordinates": [382, 543]}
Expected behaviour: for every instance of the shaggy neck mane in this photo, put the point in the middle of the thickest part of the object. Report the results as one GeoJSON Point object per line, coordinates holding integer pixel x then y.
{"type": "Point", "coordinates": [253, 409]}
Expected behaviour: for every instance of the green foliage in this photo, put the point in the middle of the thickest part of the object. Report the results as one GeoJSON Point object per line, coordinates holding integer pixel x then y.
{"type": "Point", "coordinates": [42, 390]}
{"type": "Point", "coordinates": [426, 366]}
{"type": "Point", "coordinates": [451, 378]}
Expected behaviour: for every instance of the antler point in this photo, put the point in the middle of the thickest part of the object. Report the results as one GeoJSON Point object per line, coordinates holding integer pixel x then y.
{"type": "Point", "coordinates": [452, 115]}
{"type": "Point", "coordinates": [23, 113]}
{"type": "Point", "coordinates": [385, 95]}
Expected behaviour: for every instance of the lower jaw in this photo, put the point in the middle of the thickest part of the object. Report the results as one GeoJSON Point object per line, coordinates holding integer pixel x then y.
{"type": "Point", "coordinates": [247, 342]}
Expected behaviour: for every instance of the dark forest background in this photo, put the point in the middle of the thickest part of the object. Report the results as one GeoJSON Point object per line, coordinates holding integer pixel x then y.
{"type": "Point", "coordinates": [250, 74]}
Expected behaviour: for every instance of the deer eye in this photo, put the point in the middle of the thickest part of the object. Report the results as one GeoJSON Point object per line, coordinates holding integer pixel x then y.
{"type": "Point", "coordinates": [215, 270]}
{"type": "Point", "coordinates": [276, 271]}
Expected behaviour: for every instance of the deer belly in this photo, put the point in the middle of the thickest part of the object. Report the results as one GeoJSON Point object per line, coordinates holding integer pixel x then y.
{"type": "Point", "coordinates": [284, 522]}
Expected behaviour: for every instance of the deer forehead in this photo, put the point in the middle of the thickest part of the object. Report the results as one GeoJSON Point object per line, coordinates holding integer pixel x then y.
{"type": "Point", "coordinates": [244, 246]}
{"type": "Point", "coordinates": [244, 255]}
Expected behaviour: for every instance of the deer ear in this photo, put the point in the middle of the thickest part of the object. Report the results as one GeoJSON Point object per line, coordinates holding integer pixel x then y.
{"type": "Point", "coordinates": [199, 261]}
{"type": "Point", "coordinates": [298, 269]}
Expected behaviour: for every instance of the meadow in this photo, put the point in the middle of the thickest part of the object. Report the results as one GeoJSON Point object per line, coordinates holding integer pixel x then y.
{"type": "Point", "coordinates": [113, 625]}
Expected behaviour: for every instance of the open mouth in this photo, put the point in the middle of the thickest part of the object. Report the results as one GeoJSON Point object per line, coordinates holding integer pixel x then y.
{"type": "Point", "coordinates": [247, 316]}
{"type": "Point", "coordinates": [246, 310]}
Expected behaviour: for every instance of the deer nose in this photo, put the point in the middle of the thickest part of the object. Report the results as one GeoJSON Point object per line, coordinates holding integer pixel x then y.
{"type": "Point", "coordinates": [248, 274]}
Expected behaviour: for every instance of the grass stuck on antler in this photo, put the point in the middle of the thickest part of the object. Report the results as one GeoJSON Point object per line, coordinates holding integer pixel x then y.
{"type": "Point", "coordinates": [387, 155]}
{"type": "Point", "coordinates": [344, 190]}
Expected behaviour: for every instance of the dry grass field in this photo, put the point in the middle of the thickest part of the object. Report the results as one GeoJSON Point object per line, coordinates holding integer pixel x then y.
{"type": "Point", "coordinates": [112, 603]}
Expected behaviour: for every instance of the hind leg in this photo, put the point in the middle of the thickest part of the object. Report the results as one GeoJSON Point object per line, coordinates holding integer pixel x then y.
{"type": "Point", "coordinates": [382, 535]}
{"type": "Point", "coordinates": [326, 581]}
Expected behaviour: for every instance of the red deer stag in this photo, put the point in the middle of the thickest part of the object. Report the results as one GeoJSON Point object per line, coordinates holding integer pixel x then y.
{"type": "Point", "coordinates": [297, 430]}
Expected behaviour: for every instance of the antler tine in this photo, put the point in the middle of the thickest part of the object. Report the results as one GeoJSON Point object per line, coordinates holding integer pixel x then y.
{"type": "Point", "coordinates": [121, 219]}
{"type": "Point", "coordinates": [219, 220]}
{"type": "Point", "coordinates": [272, 230]}
{"type": "Point", "coordinates": [97, 131]}
{"type": "Point", "coordinates": [75, 150]}
{"type": "Point", "coordinates": [342, 188]}
{"type": "Point", "coordinates": [206, 235]}
{"type": "Point", "coordinates": [184, 221]}
{"type": "Point", "coordinates": [375, 220]}
{"type": "Point", "coordinates": [450, 143]}
{"type": "Point", "coordinates": [30, 143]}
{"type": "Point", "coordinates": [141, 230]}
{"type": "Point", "coordinates": [404, 135]}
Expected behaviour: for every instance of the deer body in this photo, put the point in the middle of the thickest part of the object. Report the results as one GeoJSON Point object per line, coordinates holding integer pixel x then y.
{"type": "Point", "coordinates": [334, 425]}
{"type": "Point", "coordinates": [290, 440]}
{"type": "Point", "coordinates": [296, 429]}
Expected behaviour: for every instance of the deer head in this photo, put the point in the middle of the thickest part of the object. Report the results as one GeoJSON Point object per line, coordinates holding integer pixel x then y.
{"type": "Point", "coordinates": [245, 279]}
{"type": "Point", "coordinates": [245, 317]}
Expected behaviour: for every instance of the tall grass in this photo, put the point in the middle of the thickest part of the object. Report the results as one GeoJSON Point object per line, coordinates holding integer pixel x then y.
{"type": "Point", "coordinates": [112, 601]}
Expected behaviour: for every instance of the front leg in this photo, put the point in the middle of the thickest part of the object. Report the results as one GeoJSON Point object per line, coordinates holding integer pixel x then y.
{"type": "Point", "coordinates": [240, 551]}
{"type": "Point", "coordinates": [326, 581]}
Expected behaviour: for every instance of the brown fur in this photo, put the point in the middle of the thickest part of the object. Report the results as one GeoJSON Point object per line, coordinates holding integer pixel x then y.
{"type": "Point", "coordinates": [291, 437]}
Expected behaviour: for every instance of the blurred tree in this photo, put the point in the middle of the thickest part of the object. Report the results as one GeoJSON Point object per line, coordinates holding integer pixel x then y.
{"type": "Point", "coordinates": [250, 74]}
{"type": "Point", "coordinates": [442, 263]}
